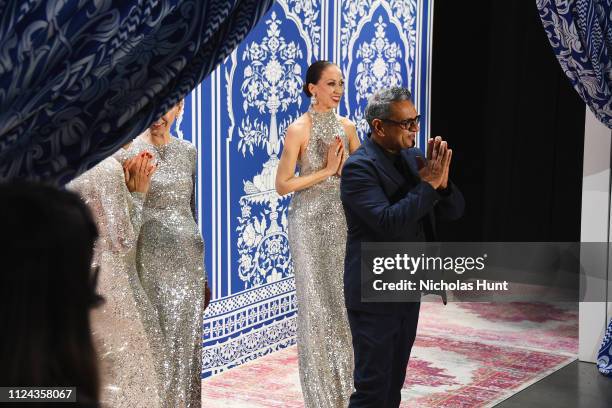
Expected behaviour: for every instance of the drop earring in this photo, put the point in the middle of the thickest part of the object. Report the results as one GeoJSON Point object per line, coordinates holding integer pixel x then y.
{"type": "Point", "coordinates": [313, 100]}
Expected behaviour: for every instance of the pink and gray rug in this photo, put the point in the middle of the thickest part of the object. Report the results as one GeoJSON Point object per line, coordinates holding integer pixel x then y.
{"type": "Point", "coordinates": [465, 355]}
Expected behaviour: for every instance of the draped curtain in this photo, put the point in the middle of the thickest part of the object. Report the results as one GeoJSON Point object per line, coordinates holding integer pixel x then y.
{"type": "Point", "coordinates": [604, 358]}
{"type": "Point", "coordinates": [80, 78]}
{"type": "Point", "coordinates": [580, 33]}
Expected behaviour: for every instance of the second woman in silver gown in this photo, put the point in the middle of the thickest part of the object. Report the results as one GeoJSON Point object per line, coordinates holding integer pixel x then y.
{"type": "Point", "coordinates": [125, 327]}
{"type": "Point", "coordinates": [318, 142]}
{"type": "Point", "coordinates": [170, 258]}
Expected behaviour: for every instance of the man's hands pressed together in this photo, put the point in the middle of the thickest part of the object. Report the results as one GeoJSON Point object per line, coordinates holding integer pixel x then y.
{"type": "Point", "coordinates": [436, 169]}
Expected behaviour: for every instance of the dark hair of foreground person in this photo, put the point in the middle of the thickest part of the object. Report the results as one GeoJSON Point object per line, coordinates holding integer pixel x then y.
{"type": "Point", "coordinates": [47, 288]}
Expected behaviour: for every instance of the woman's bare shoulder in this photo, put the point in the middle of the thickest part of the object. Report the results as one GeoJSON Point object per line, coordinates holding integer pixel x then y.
{"type": "Point", "coordinates": [299, 128]}
{"type": "Point", "coordinates": [346, 122]}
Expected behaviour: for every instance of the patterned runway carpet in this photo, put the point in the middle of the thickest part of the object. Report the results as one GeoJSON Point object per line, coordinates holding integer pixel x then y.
{"type": "Point", "coordinates": [465, 355]}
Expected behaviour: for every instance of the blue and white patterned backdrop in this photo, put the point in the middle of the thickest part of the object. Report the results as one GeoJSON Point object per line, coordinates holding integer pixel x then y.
{"type": "Point", "coordinates": [237, 119]}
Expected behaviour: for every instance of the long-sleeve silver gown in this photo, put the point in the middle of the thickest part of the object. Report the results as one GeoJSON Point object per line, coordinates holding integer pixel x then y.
{"type": "Point", "coordinates": [317, 239]}
{"type": "Point", "coordinates": [125, 327]}
{"type": "Point", "coordinates": [170, 262]}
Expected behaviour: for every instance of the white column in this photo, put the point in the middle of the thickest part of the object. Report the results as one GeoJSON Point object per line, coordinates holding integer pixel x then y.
{"type": "Point", "coordinates": [594, 228]}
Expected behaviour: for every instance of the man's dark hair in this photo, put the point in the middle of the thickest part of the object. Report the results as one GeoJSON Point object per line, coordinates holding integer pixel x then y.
{"type": "Point", "coordinates": [379, 103]}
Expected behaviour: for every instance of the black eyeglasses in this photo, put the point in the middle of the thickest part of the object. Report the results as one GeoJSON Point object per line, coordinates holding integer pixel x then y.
{"type": "Point", "coordinates": [408, 124]}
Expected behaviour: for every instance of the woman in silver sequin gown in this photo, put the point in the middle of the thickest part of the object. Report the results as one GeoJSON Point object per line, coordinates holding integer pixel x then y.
{"type": "Point", "coordinates": [125, 327]}
{"type": "Point", "coordinates": [170, 258]}
{"type": "Point", "coordinates": [319, 142]}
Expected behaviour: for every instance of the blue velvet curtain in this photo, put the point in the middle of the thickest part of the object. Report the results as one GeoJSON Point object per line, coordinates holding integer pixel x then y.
{"type": "Point", "coordinates": [79, 78]}
{"type": "Point", "coordinates": [581, 36]}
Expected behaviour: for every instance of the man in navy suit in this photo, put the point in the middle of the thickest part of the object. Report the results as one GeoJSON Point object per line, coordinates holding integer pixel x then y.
{"type": "Point", "coordinates": [390, 193]}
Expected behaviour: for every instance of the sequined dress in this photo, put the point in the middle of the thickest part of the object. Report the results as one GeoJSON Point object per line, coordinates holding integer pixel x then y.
{"type": "Point", "coordinates": [125, 327]}
{"type": "Point", "coordinates": [170, 261]}
{"type": "Point", "coordinates": [317, 239]}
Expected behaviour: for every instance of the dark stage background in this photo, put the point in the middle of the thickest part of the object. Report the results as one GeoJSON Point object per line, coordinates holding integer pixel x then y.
{"type": "Point", "coordinates": [515, 124]}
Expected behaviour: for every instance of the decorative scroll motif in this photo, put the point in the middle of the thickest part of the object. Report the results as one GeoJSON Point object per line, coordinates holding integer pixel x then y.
{"type": "Point", "coordinates": [355, 11]}
{"type": "Point", "coordinates": [272, 83]}
{"type": "Point", "coordinates": [381, 61]}
{"type": "Point", "coordinates": [309, 13]}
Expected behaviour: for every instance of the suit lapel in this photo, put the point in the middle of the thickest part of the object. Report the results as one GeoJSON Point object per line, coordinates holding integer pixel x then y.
{"type": "Point", "coordinates": [410, 159]}
{"type": "Point", "coordinates": [381, 162]}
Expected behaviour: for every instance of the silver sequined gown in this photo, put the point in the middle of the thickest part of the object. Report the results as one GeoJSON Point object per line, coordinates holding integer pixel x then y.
{"type": "Point", "coordinates": [125, 327]}
{"type": "Point", "coordinates": [170, 261]}
{"type": "Point", "coordinates": [317, 239]}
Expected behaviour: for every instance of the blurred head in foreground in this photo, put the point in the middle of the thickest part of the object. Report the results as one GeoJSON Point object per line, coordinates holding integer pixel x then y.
{"type": "Point", "coordinates": [47, 288]}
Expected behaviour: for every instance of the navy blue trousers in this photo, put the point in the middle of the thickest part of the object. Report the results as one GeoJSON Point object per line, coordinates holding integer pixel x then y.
{"type": "Point", "coordinates": [382, 344]}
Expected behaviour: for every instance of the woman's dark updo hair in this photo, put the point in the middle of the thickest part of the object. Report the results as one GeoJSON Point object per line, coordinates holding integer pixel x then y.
{"type": "Point", "coordinates": [314, 74]}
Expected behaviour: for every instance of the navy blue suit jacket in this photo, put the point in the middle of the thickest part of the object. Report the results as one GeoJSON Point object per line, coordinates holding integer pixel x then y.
{"type": "Point", "coordinates": [382, 206]}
